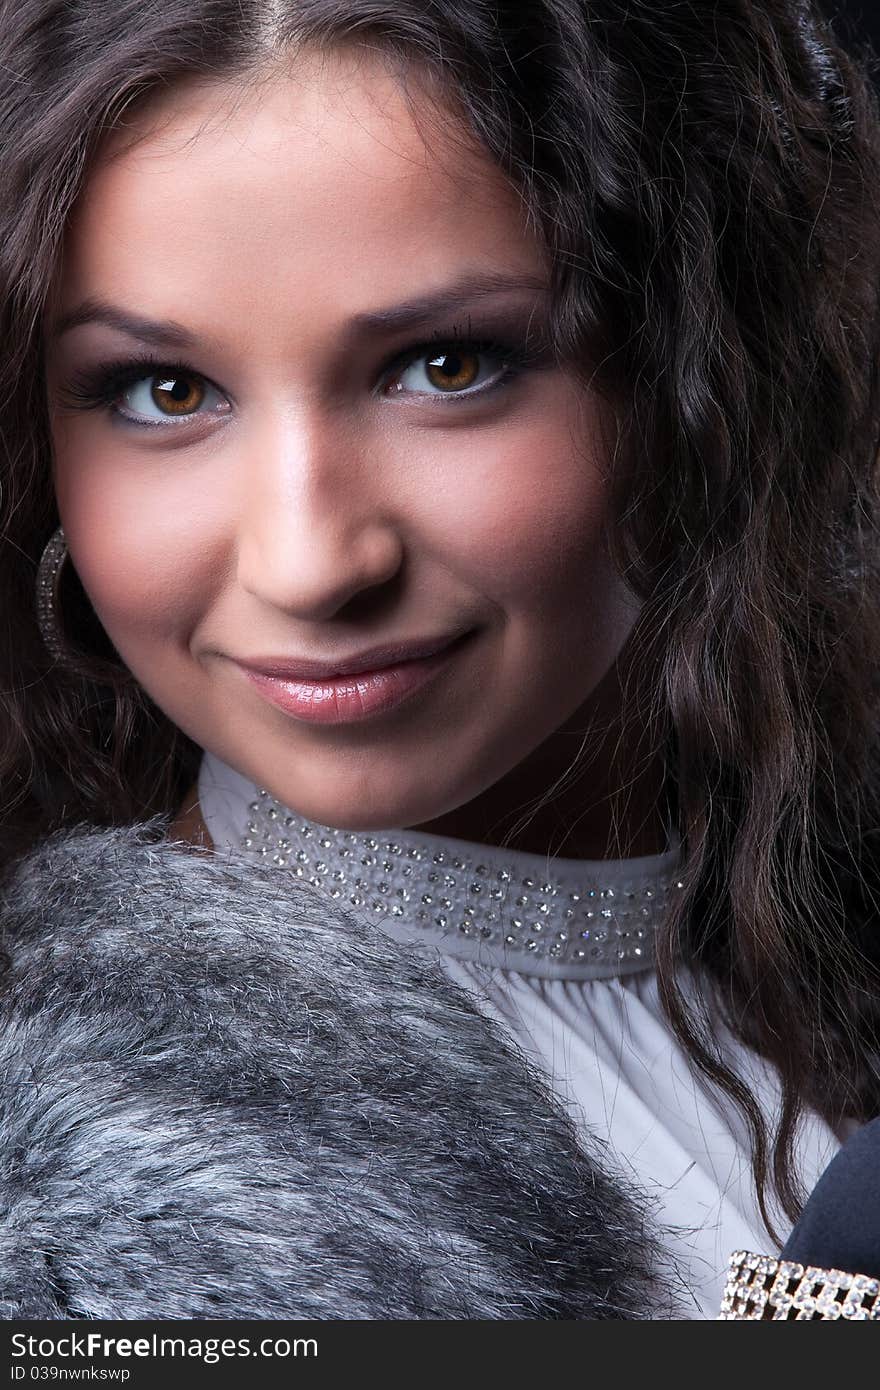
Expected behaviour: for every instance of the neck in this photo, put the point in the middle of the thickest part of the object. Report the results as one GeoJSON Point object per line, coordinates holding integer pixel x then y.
{"type": "Point", "coordinates": [587, 792]}
{"type": "Point", "coordinates": [188, 826]}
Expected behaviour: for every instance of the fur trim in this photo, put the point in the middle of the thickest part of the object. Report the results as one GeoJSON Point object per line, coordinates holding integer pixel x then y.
{"type": "Point", "coordinates": [223, 1097]}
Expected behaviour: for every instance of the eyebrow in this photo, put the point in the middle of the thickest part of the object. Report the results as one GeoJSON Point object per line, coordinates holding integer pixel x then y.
{"type": "Point", "coordinates": [411, 313]}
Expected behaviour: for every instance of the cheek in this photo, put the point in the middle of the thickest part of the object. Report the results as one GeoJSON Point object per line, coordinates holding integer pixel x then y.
{"type": "Point", "coordinates": [516, 516]}
{"type": "Point", "coordinates": [137, 557]}
{"type": "Point", "coordinates": [526, 514]}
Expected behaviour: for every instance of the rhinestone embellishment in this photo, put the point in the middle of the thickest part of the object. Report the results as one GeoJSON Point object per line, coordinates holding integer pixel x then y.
{"type": "Point", "coordinates": [761, 1288]}
{"type": "Point", "coordinates": [462, 899]}
{"type": "Point", "coordinates": [48, 575]}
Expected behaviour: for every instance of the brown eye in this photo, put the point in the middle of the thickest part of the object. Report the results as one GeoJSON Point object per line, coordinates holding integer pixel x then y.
{"type": "Point", "coordinates": [451, 367]}
{"type": "Point", "coordinates": [177, 395]}
{"type": "Point", "coordinates": [453, 371]}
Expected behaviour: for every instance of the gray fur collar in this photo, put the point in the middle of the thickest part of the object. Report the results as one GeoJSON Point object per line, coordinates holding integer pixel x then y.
{"type": "Point", "coordinates": [220, 1097]}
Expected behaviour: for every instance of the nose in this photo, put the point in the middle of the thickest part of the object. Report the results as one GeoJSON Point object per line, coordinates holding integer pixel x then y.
{"type": "Point", "coordinates": [316, 527]}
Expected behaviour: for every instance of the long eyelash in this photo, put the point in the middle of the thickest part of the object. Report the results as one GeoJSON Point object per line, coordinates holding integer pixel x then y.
{"type": "Point", "coordinates": [102, 384]}
{"type": "Point", "coordinates": [516, 357]}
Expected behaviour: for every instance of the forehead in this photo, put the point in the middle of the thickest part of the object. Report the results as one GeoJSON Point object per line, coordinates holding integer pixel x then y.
{"type": "Point", "coordinates": [316, 182]}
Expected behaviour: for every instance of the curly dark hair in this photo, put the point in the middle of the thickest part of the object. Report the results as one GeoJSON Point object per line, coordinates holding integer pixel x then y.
{"type": "Point", "coordinates": [706, 181]}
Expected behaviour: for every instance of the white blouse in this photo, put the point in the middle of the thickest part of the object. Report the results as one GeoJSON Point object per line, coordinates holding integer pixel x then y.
{"type": "Point", "coordinates": [559, 953]}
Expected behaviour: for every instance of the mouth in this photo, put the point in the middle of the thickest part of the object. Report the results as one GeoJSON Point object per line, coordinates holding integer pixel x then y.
{"type": "Point", "coordinates": [353, 698]}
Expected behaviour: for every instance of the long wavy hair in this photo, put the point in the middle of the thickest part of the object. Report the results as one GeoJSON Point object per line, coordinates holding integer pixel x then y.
{"type": "Point", "coordinates": [706, 181]}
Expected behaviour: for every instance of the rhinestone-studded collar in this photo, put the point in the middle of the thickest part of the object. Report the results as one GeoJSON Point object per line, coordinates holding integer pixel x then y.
{"type": "Point", "coordinates": [571, 918]}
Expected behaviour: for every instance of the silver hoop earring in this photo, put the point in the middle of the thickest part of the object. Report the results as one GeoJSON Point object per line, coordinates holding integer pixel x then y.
{"type": "Point", "coordinates": [48, 574]}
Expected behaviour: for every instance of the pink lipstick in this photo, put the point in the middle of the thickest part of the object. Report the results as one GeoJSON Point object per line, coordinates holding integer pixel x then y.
{"type": "Point", "coordinates": [346, 699]}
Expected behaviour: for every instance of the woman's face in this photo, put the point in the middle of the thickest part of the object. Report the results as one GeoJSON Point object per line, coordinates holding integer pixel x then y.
{"type": "Point", "coordinates": [292, 479]}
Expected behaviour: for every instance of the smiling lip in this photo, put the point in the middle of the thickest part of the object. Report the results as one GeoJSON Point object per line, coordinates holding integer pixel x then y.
{"type": "Point", "coordinates": [374, 659]}
{"type": "Point", "coordinates": [344, 699]}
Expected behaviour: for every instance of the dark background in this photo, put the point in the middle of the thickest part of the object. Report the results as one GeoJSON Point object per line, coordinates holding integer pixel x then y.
{"type": "Point", "coordinates": [856, 21]}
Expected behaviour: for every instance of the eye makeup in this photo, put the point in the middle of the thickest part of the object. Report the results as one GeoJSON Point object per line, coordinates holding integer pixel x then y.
{"type": "Point", "coordinates": [99, 387]}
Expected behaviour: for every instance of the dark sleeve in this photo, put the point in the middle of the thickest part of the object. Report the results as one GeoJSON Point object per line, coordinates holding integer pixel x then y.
{"type": "Point", "coordinates": [840, 1224]}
